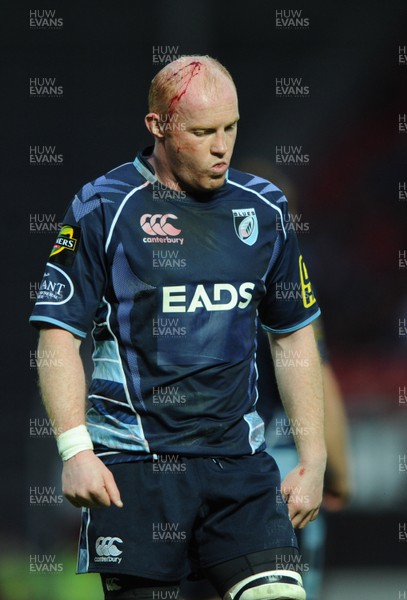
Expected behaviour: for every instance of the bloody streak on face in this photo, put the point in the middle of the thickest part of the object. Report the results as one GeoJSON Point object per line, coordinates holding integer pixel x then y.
{"type": "Point", "coordinates": [188, 72]}
{"type": "Point", "coordinates": [195, 154]}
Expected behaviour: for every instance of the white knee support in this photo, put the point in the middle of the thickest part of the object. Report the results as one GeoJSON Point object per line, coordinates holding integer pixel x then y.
{"type": "Point", "coordinates": [269, 585]}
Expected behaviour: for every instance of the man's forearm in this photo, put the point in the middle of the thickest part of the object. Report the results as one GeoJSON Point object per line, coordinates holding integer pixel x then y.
{"type": "Point", "coordinates": [86, 481]}
{"type": "Point", "coordinates": [62, 379]}
{"type": "Point", "coordinates": [298, 374]}
{"type": "Point", "coordinates": [335, 431]}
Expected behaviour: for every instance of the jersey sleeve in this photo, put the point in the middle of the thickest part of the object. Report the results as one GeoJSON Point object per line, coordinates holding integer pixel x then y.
{"type": "Point", "coordinates": [290, 303]}
{"type": "Point", "coordinates": [75, 276]}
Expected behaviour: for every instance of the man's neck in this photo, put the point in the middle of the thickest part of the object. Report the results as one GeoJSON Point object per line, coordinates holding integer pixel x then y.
{"type": "Point", "coordinates": [162, 172]}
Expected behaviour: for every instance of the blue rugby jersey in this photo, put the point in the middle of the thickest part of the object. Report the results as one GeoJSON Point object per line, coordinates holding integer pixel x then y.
{"type": "Point", "coordinates": [173, 288]}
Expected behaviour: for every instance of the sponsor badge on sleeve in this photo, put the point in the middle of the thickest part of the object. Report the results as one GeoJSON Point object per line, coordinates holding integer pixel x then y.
{"type": "Point", "coordinates": [66, 245]}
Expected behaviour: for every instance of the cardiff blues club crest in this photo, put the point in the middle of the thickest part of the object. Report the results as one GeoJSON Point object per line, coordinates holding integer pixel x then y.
{"type": "Point", "coordinates": [246, 226]}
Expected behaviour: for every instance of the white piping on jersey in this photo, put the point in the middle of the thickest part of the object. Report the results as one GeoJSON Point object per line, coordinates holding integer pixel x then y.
{"type": "Point", "coordinates": [119, 167]}
{"type": "Point", "coordinates": [86, 510]}
{"type": "Point", "coordinates": [155, 456]}
{"type": "Point", "coordinates": [87, 540]}
{"type": "Point", "coordinates": [264, 200]}
{"type": "Point", "coordinates": [257, 378]}
{"type": "Point", "coordinates": [112, 360]}
{"type": "Point", "coordinates": [124, 381]}
{"type": "Point", "coordinates": [247, 417]}
{"type": "Point", "coordinates": [252, 429]}
{"type": "Point", "coordinates": [255, 358]}
{"type": "Point", "coordinates": [117, 432]}
{"type": "Point", "coordinates": [123, 378]}
{"type": "Point", "coordinates": [97, 396]}
{"type": "Point", "coordinates": [115, 420]}
{"type": "Point", "coordinates": [103, 371]}
{"type": "Point", "coordinates": [119, 210]}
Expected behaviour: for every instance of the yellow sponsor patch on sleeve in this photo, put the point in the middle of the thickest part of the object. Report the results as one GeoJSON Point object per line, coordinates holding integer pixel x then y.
{"type": "Point", "coordinates": [308, 298]}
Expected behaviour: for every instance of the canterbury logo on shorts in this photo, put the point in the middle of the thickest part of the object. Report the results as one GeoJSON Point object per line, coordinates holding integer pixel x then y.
{"type": "Point", "coordinates": [107, 550]}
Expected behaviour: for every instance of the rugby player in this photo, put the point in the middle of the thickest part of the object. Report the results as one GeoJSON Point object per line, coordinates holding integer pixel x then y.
{"type": "Point", "coordinates": [171, 262]}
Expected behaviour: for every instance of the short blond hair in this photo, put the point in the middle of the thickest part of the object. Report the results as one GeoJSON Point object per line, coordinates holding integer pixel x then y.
{"type": "Point", "coordinates": [171, 83]}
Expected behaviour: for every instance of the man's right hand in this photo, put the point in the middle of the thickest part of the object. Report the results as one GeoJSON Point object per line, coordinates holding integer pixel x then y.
{"type": "Point", "coordinates": [87, 482]}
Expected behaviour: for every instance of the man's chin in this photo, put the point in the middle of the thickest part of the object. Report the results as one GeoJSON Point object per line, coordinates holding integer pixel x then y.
{"type": "Point", "coordinates": [216, 181]}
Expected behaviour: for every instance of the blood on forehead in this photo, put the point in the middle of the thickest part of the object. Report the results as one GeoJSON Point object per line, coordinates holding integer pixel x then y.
{"type": "Point", "coordinates": [181, 80]}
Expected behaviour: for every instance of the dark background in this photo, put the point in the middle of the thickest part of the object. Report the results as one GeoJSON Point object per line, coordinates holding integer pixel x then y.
{"type": "Point", "coordinates": [348, 194]}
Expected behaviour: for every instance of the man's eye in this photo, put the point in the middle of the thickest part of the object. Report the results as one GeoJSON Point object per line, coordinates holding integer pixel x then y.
{"type": "Point", "coordinates": [199, 132]}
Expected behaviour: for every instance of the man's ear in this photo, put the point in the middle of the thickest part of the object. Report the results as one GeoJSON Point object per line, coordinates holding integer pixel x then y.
{"type": "Point", "coordinates": [152, 121]}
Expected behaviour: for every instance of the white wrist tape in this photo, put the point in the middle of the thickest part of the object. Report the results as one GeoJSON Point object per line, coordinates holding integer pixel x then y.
{"type": "Point", "coordinates": [72, 441]}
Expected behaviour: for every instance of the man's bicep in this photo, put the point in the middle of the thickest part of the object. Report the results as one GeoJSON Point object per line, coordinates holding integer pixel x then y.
{"type": "Point", "coordinates": [304, 333]}
{"type": "Point", "coordinates": [56, 336]}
